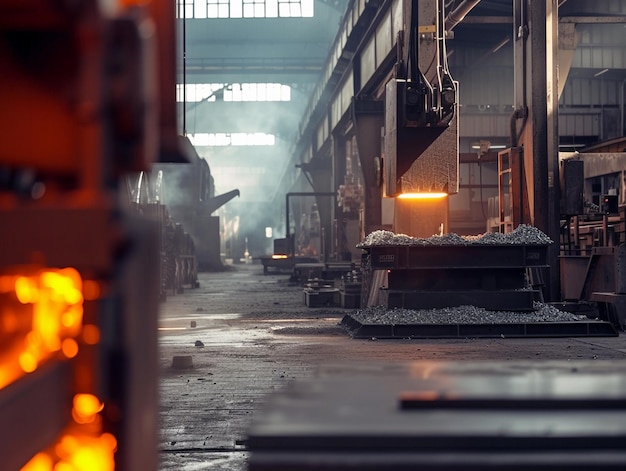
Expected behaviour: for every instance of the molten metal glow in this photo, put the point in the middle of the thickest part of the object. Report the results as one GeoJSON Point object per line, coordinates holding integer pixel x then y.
{"type": "Point", "coordinates": [40, 313]}
{"type": "Point", "coordinates": [91, 290]}
{"type": "Point", "coordinates": [39, 462]}
{"type": "Point", "coordinates": [91, 334]}
{"type": "Point", "coordinates": [278, 257]}
{"type": "Point", "coordinates": [422, 195]}
{"type": "Point", "coordinates": [86, 408]}
{"type": "Point", "coordinates": [69, 347]}
{"type": "Point", "coordinates": [77, 451]}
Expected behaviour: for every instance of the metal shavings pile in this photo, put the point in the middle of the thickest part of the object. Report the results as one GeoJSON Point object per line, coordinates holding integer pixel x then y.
{"type": "Point", "coordinates": [462, 315]}
{"type": "Point", "coordinates": [523, 235]}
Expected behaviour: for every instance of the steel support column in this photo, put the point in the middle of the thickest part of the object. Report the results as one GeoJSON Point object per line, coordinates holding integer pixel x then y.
{"type": "Point", "coordinates": [536, 100]}
{"type": "Point", "coordinates": [552, 151]}
{"type": "Point", "coordinates": [319, 171]}
{"type": "Point", "coordinates": [368, 117]}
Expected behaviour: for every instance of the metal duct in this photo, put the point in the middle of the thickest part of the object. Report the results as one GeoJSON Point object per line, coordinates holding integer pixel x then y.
{"type": "Point", "coordinates": [457, 15]}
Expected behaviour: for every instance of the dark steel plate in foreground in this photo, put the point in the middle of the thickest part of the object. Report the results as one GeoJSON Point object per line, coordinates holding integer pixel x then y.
{"type": "Point", "coordinates": [591, 328]}
{"type": "Point", "coordinates": [358, 421]}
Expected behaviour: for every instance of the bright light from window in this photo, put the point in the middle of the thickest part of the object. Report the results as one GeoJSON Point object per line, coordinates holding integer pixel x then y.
{"type": "Point", "coordinates": [202, 9]}
{"type": "Point", "coordinates": [268, 232]}
{"type": "Point", "coordinates": [232, 139]}
{"type": "Point", "coordinates": [196, 92]}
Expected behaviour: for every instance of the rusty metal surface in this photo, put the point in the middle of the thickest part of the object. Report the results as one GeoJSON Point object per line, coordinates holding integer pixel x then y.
{"type": "Point", "coordinates": [260, 338]}
{"type": "Point", "coordinates": [35, 233]}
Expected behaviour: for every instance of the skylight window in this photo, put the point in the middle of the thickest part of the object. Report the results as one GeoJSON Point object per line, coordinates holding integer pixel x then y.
{"type": "Point", "coordinates": [245, 9]}
{"type": "Point", "coordinates": [221, 139]}
{"type": "Point", "coordinates": [219, 9]}
{"type": "Point", "coordinates": [196, 92]}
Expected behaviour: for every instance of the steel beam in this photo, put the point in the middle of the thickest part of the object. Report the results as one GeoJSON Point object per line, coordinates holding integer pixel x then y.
{"type": "Point", "coordinates": [536, 100]}
{"type": "Point", "coordinates": [368, 123]}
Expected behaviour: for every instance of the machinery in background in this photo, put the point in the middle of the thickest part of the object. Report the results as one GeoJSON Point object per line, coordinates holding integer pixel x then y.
{"type": "Point", "coordinates": [397, 179]}
{"type": "Point", "coordinates": [188, 191]}
{"type": "Point", "coordinates": [177, 254]}
{"type": "Point", "coordinates": [589, 242]}
{"type": "Point", "coordinates": [180, 197]}
{"type": "Point", "coordinates": [420, 151]}
{"type": "Point", "coordinates": [303, 252]}
{"type": "Point", "coordinates": [79, 284]}
{"type": "Point", "coordinates": [304, 242]}
{"type": "Point", "coordinates": [421, 143]}
{"type": "Point", "coordinates": [593, 233]}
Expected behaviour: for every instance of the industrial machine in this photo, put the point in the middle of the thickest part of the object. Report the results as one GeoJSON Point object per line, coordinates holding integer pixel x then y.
{"type": "Point", "coordinates": [188, 190]}
{"type": "Point", "coordinates": [304, 242]}
{"type": "Point", "coordinates": [177, 255]}
{"type": "Point", "coordinates": [180, 197]}
{"type": "Point", "coordinates": [394, 157]}
{"type": "Point", "coordinates": [421, 137]}
{"type": "Point", "coordinates": [592, 229]}
{"type": "Point", "coordinates": [79, 272]}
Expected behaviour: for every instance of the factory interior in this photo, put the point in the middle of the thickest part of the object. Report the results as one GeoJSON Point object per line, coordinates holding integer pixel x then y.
{"type": "Point", "coordinates": [278, 235]}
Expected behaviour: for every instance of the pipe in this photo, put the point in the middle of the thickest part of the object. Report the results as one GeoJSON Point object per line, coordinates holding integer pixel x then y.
{"type": "Point", "coordinates": [457, 15]}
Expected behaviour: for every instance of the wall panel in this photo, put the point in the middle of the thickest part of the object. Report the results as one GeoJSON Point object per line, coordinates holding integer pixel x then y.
{"type": "Point", "coordinates": [383, 39]}
{"type": "Point", "coordinates": [368, 60]}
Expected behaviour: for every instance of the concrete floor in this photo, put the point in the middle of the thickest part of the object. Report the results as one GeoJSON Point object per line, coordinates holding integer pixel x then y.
{"type": "Point", "coordinates": [257, 336]}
